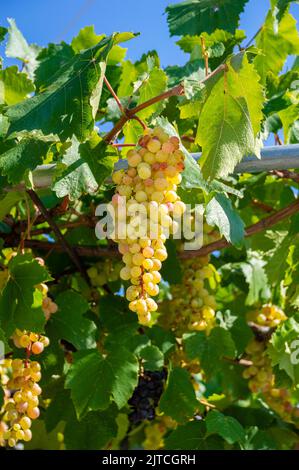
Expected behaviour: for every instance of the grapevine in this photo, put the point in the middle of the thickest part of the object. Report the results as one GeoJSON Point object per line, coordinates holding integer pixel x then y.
{"type": "Point", "coordinates": [149, 242]}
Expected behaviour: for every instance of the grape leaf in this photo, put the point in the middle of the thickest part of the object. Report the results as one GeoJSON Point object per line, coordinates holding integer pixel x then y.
{"type": "Point", "coordinates": [85, 39]}
{"type": "Point", "coordinates": [219, 212]}
{"type": "Point", "coordinates": [69, 104]}
{"type": "Point", "coordinates": [88, 38]}
{"type": "Point", "coordinates": [226, 426]}
{"type": "Point", "coordinates": [256, 279]}
{"type": "Point", "coordinates": [14, 86]}
{"type": "Point", "coordinates": [287, 117]}
{"type": "Point", "coordinates": [192, 436]}
{"type": "Point", "coordinates": [171, 268]}
{"type": "Point", "coordinates": [128, 77]}
{"type": "Point", "coordinates": [276, 45]}
{"type": "Point", "coordinates": [17, 47]}
{"type": "Point", "coordinates": [18, 307]}
{"type": "Point", "coordinates": [9, 201]}
{"type": "Point", "coordinates": [75, 176]}
{"type": "Point", "coordinates": [152, 357]}
{"type": "Point", "coordinates": [94, 379]}
{"type": "Point", "coordinates": [283, 348]}
{"type": "Point", "coordinates": [50, 59]}
{"type": "Point", "coordinates": [234, 107]}
{"type": "Point", "coordinates": [92, 433]}
{"type": "Point", "coordinates": [69, 323]}
{"type": "Point", "coordinates": [3, 32]}
{"type": "Point", "coordinates": [178, 400]}
{"type": "Point", "coordinates": [99, 156]}
{"type": "Point", "coordinates": [196, 16]}
{"type": "Point", "coordinates": [210, 349]}
{"type": "Point", "coordinates": [24, 156]}
{"type": "Point", "coordinates": [152, 85]}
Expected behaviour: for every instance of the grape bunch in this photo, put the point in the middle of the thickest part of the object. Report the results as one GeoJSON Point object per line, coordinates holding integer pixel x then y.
{"type": "Point", "coordinates": [149, 187]}
{"type": "Point", "coordinates": [32, 342]}
{"type": "Point", "coordinates": [269, 315]}
{"type": "Point", "coordinates": [155, 432]}
{"type": "Point", "coordinates": [146, 396]}
{"type": "Point", "coordinates": [19, 379]}
{"type": "Point", "coordinates": [103, 272]}
{"type": "Point", "coordinates": [260, 375]}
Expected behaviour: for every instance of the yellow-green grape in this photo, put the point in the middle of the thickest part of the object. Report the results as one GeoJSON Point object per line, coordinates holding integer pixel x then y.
{"type": "Point", "coordinates": [269, 315]}
{"type": "Point", "coordinates": [19, 379]}
{"type": "Point", "coordinates": [33, 342]}
{"type": "Point", "coordinates": [192, 307]}
{"type": "Point", "coordinates": [103, 272]}
{"type": "Point", "coordinates": [149, 183]}
{"type": "Point", "coordinates": [155, 432]}
{"type": "Point", "coordinates": [261, 379]}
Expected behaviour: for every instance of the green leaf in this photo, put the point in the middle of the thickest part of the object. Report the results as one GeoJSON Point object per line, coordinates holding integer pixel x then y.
{"type": "Point", "coordinates": [178, 400]}
{"type": "Point", "coordinates": [192, 436]}
{"type": "Point", "coordinates": [226, 426]}
{"type": "Point", "coordinates": [281, 6]}
{"type": "Point", "coordinates": [18, 48]}
{"type": "Point", "coordinates": [60, 409]}
{"type": "Point", "coordinates": [163, 339]}
{"type": "Point", "coordinates": [85, 39]}
{"type": "Point", "coordinates": [69, 323]}
{"type": "Point", "coordinates": [284, 347]}
{"type": "Point", "coordinates": [4, 346]}
{"type": "Point", "coordinates": [3, 32]}
{"type": "Point", "coordinates": [210, 349]}
{"type": "Point", "coordinates": [196, 16]}
{"type": "Point", "coordinates": [9, 201]}
{"type": "Point", "coordinates": [128, 77]}
{"type": "Point", "coordinates": [26, 155]}
{"type": "Point", "coordinates": [152, 357]}
{"type": "Point", "coordinates": [235, 113]}
{"type": "Point", "coordinates": [99, 156]}
{"type": "Point", "coordinates": [153, 85]}
{"type": "Point", "coordinates": [287, 117]}
{"type": "Point", "coordinates": [50, 60]}
{"type": "Point", "coordinates": [276, 45]}
{"type": "Point", "coordinates": [256, 279]}
{"type": "Point", "coordinates": [245, 81]}
{"type": "Point", "coordinates": [220, 212]}
{"type": "Point", "coordinates": [94, 379]}
{"type": "Point", "coordinates": [171, 269]}
{"type": "Point", "coordinates": [76, 177]}
{"type": "Point", "coordinates": [94, 432]}
{"type": "Point", "coordinates": [14, 86]}
{"type": "Point", "coordinates": [18, 306]}
{"type": "Point", "coordinates": [69, 104]}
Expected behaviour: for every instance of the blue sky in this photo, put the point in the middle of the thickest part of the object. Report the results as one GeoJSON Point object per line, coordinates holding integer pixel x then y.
{"type": "Point", "coordinates": [44, 21]}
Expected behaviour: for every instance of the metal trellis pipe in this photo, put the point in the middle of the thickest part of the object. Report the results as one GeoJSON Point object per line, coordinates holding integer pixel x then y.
{"type": "Point", "coordinates": [282, 157]}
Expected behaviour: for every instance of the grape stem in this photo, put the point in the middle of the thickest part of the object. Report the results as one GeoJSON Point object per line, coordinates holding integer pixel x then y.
{"type": "Point", "coordinates": [118, 102]}
{"type": "Point", "coordinates": [178, 90]}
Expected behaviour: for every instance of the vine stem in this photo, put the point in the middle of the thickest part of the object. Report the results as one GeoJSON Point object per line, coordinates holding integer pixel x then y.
{"type": "Point", "coordinates": [64, 243]}
{"type": "Point", "coordinates": [178, 90]}
{"type": "Point", "coordinates": [114, 95]}
{"type": "Point", "coordinates": [111, 252]}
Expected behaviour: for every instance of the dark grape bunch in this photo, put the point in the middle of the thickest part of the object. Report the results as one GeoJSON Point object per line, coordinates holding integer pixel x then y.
{"type": "Point", "coordinates": [146, 396]}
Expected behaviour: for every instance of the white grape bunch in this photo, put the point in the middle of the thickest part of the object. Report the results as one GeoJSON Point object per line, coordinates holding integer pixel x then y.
{"type": "Point", "coordinates": [150, 183]}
